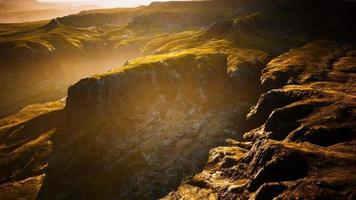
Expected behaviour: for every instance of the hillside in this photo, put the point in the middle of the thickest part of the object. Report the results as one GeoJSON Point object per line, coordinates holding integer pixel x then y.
{"type": "Point", "coordinates": [255, 100]}
{"type": "Point", "coordinates": [67, 49]}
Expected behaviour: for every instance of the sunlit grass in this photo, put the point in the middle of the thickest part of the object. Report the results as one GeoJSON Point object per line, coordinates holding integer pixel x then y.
{"type": "Point", "coordinates": [30, 112]}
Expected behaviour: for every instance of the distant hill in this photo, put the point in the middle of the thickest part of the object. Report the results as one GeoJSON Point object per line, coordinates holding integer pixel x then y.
{"type": "Point", "coordinates": [31, 10]}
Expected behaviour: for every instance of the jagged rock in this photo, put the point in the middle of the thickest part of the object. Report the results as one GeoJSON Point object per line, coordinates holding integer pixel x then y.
{"type": "Point", "coordinates": [25, 189]}
{"type": "Point", "coordinates": [276, 99]}
{"type": "Point", "coordinates": [278, 169]}
{"type": "Point", "coordinates": [285, 167]}
{"type": "Point", "coordinates": [244, 145]}
{"type": "Point", "coordinates": [318, 108]}
{"type": "Point", "coordinates": [286, 110]}
{"type": "Point", "coordinates": [323, 135]}
{"type": "Point", "coordinates": [268, 191]}
{"type": "Point", "coordinates": [284, 120]}
{"type": "Point", "coordinates": [198, 180]}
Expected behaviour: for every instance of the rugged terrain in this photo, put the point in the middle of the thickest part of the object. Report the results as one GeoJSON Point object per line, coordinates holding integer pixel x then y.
{"type": "Point", "coordinates": [304, 147]}
{"type": "Point", "coordinates": [259, 104]}
{"type": "Point", "coordinates": [46, 57]}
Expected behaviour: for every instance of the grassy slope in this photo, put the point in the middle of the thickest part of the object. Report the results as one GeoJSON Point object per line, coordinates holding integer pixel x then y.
{"type": "Point", "coordinates": [25, 140]}
{"type": "Point", "coordinates": [73, 49]}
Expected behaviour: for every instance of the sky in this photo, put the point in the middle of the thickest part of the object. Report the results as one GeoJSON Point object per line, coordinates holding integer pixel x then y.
{"type": "Point", "coordinates": [106, 3]}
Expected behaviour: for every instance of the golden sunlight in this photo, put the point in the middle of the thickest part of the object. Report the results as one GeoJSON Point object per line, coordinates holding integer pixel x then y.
{"type": "Point", "coordinates": [104, 3]}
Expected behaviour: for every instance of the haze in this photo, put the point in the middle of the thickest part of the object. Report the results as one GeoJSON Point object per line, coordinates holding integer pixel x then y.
{"type": "Point", "coordinates": [105, 3]}
{"type": "Point", "coordinates": [12, 11]}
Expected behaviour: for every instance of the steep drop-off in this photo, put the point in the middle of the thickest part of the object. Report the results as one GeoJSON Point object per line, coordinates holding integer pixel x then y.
{"type": "Point", "coordinates": [151, 123]}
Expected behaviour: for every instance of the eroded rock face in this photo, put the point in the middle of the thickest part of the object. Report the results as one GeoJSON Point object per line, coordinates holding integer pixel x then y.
{"type": "Point", "coordinates": [321, 108]}
{"type": "Point", "coordinates": [24, 189]}
{"type": "Point", "coordinates": [140, 130]}
{"type": "Point", "coordinates": [304, 136]}
{"type": "Point", "coordinates": [190, 78]}
{"type": "Point", "coordinates": [274, 169]}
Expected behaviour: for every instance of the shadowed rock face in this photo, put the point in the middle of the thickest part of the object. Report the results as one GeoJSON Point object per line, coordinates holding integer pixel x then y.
{"type": "Point", "coordinates": [150, 124]}
{"type": "Point", "coordinates": [190, 78]}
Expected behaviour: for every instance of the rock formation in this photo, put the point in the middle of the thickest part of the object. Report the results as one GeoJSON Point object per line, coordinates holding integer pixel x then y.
{"type": "Point", "coordinates": [304, 147]}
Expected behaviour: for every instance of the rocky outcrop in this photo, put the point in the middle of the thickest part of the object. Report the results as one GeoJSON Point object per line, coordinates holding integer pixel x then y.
{"type": "Point", "coordinates": [142, 82]}
{"type": "Point", "coordinates": [24, 189]}
{"type": "Point", "coordinates": [297, 109]}
{"type": "Point", "coordinates": [150, 122]}
{"type": "Point", "coordinates": [305, 140]}
{"type": "Point", "coordinates": [274, 169]}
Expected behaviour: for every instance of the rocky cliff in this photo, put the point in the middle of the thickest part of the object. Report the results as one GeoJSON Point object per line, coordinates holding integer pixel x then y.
{"type": "Point", "coordinates": [157, 120]}
{"type": "Point", "coordinates": [304, 146]}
